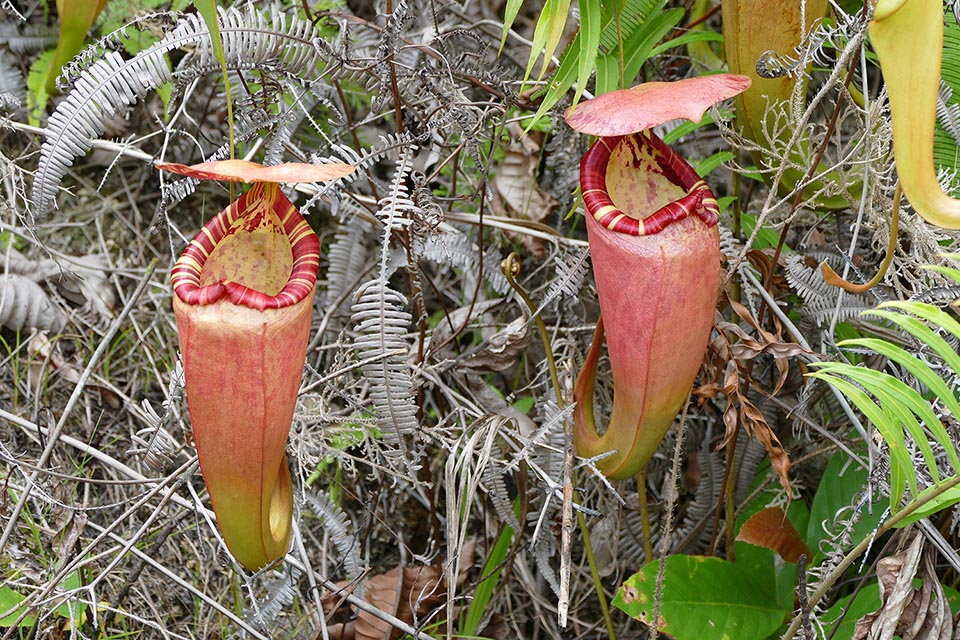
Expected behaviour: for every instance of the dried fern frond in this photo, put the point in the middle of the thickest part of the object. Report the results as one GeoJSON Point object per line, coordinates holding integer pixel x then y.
{"type": "Point", "coordinates": [111, 85]}
{"type": "Point", "coordinates": [336, 524]}
{"type": "Point", "coordinates": [24, 305]}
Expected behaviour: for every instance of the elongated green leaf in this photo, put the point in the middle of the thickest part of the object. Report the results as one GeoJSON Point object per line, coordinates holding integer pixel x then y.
{"type": "Point", "coordinates": [632, 13]}
{"type": "Point", "coordinates": [546, 35]}
{"type": "Point", "coordinates": [921, 331]}
{"type": "Point", "coordinates": [946, 499]}
{"type": "Point", "coordinates": [702, 599]}
{"type": "Point", "coordinates": [590, 28]}
{"type": "Point", "coordinates": [636, 50]}
{"type": "Point", "coordinates": [950, 272]}
{"type": "Point", "coordinates": [208, 9]}
{"type": "Point", "coordinates": [490, 576]}
{"type": "Point", "coordinates": [687, 38]}
{"type": "Point", "coordinates": [509, 16]}
{"type": "Point", "coordinates": [903, 402]}
{"type": "Point", "coordinates": [928, 378]}
{"type": "Point", "coordinates": [901, 466]}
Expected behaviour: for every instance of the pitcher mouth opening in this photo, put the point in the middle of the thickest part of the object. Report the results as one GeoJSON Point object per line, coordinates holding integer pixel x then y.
{"type": "Point", "coordinates": [247, 234]}
{"type": "Point", "coordinates": [607, 204]}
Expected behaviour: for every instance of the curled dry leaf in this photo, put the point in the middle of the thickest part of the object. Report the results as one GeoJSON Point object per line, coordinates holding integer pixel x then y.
{"type": "Point", "coordinates": [771, 529]}
{"type": "Point", "coordinates": [905, 611]}
{"type": "Point", "coordinates": [24, 305]}
{"type": "Point", "coordinates": [646, 105]}
{"type": "Point", "coordinates": [519, 194]}
{"type": "Point", "coordinates": [81, 280]}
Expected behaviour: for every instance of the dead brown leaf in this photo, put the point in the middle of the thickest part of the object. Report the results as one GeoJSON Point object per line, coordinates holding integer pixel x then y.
{"type": "Point", "coordinates": [517, 193]}
{"type": "Point", "coordinates": [771, 529]}
{"type": "Point", "coordinates": [912, 614]}
{"type": "Point", "coordinates": [411, 594]}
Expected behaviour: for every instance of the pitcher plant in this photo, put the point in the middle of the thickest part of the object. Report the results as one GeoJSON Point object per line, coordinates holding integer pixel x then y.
{"type": "Point", "coordinates": [243, 300]}
{"type": "Point", "coordinates": [907, 36]}
{"type": "Point", "coordinates": [654, 244]}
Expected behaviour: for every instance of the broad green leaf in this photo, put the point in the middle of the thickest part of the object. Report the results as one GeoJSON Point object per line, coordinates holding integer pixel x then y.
{"type": "Point", "coordinates": [841, 482]}
{"type": "Point", "coordinates": [702, 599]}
{"type": "Point", "coordinates": [866, 600]}
{"type": "Point", "coordinates": [9, 599]}
{"type": "Point", "coordinates": [74, 610]}
{"type": "Point", "coordinates": [590, 28]}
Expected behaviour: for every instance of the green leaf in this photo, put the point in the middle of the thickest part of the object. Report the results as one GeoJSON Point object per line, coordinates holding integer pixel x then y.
{"type": "Point", "coordinates": [866, 600]}
{"type": "Point", "coordinates": [687, 38]}
{"type": "Point", "coordinates": [509, 16]}
{"type": "Point", "coordinates": [636, 50]}
{"type": "Point", "coordinates": [546, 35]}
{"type": "Point", "coordinates": [899, 398]}
{"type": "Point", "coordinates": [74, 609]}
{"type": "Point", "coordinates": [706, 165]}
{"type": "Point", "coordinates": [702, 599]}
{"type": "Point", "coordinates": [685, 128]}
{"type": "Point", "coordinates": [208, 9]}
{"type": "Point", "coordinates": [901, 466]}
{"type": "Point", "coordinates": [631, 14]}
{"type": "Point", "coordinates": [590, 28]}
{"type": "Point", "coordinates": [946, 499]}
{"type": "Point", "coordinates": [840, 483]}
{"type": "Point", "coordinates": [37, 96]}
{"type": "Point", "coordinates": [922, 372]}
{"type": "Point", "coordinates": [490, 576]}
{"type": "Point", "coordinates": [9, 599]}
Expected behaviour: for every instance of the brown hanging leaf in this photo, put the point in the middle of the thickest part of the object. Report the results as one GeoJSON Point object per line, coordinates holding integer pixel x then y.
{"type": "Point", "coordinates": [740, 411]}
{"type": "Point", "coordinates": [771, 529]}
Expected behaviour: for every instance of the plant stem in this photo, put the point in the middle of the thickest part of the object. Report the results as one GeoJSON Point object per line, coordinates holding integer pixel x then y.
{"type": "Point", "coordinates": [645, 517]}
{"type": "Point", "coordinates": [511, 269]}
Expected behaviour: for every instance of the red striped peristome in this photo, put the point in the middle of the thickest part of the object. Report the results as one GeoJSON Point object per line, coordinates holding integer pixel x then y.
{"type": "Point", "coordinates": [247, 210]}
{"type": "Point", "coordinates": [699, 200]}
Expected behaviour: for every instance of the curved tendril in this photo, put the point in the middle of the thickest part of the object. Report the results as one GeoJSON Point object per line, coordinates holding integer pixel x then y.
{"type": "Point", "coordinates": [831, 277]}
{"type": "Point", "coordinates": [510, 266]}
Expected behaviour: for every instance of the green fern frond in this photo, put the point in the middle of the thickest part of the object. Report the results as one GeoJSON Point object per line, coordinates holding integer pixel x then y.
{"type": "Point", "coordinates": [896, 408]}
